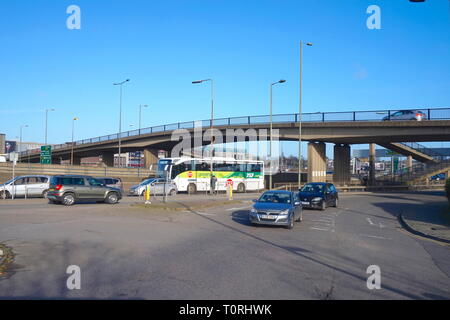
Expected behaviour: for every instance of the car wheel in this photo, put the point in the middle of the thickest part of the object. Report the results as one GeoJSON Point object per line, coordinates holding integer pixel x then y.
{"type": "Point", "coordinates": [241, 188]}
{"type": "Point", "coordinates": [5, 195]}
{"type": "Point", "coordinates": [191, 188]}
{"type": "Point", "coordinates": [172, 192]}
{"type": "Point", "coordinates": [336, 202]}
{"type": "Point", "coordinates": [44, 194]}
{"type": "Point", "coordinates": [68, 199]}
{"type": "Point", "coordinates": [112, 198]}
{"type": "Point", "coordinates": [291, 223]}
{"type": "Point", "coordinates": [323, 205]}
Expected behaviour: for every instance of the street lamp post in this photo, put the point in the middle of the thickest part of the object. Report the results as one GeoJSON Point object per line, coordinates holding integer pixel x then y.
{"type": "Point", "coordinates": [211, 124]}
{"type": "Point", "coordinates": [20, 139]}
{"type": "Point", "coordinates": [270, 143]}
{"type": "Point", "coordinates": [300, 115]}
{"type": "Point", "coordinates": [120, 119]}
{"type": "Point", "coordinates": [46, 122]}
{"type": "Point", "coordinates": [73, 130]}
{"type": "Point", "coordinates": [140, 113]}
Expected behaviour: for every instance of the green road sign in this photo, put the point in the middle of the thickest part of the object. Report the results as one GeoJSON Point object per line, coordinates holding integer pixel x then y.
{"type": "Point", "coordinates": [392, 153]}
{"type": "Point", "coordinates": [46, 154]}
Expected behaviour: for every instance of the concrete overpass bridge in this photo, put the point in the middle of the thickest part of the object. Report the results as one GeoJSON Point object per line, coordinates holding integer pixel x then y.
{"type": "Point", "coordinates": [340, 128]}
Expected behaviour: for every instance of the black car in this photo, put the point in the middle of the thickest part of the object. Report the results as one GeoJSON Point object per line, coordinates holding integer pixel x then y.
{"type": "Point", "coordinates": [319, 195]}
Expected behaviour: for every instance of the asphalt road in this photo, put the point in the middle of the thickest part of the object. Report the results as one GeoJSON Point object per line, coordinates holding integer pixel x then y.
{"type": "Point", "coordinates": [130, 253]}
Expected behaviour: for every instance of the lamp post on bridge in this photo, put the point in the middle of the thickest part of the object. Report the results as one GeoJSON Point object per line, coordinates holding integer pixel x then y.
{"type": "Point", "coordinates": [120, 119]}
{"type": "Point", "coordinates": [73, 131]}
{"type": "Point", "coordinates": [211, 124]}
{"type": "Point", "coordinates": [140, 113]}
{"type": "Point", "coordinates": [300, 115]}
{"type": "Point", "coordinates": [20, 140]}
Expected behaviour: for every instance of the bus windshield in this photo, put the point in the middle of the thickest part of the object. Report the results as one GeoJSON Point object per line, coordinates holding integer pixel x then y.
{"type": "Point", "coordinates": [160, 171]}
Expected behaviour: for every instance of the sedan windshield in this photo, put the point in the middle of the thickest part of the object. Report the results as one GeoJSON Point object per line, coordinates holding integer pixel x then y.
{"type": "Point", "coordinates": [145, 182]}
{"type": "Point", "coordinates": [313, 188]}
{"type": "Point", "coordinates": [273, 197]}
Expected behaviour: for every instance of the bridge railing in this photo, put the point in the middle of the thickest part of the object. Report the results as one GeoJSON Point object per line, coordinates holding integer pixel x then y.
{"type": "Point", "coordinates": [373, 115]}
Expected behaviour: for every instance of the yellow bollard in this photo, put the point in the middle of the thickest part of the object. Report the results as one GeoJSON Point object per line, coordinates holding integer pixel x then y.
{"type": "Point", "coordinates": [147, 195]}
{"type": "Point", "coordinates": [230, 192]}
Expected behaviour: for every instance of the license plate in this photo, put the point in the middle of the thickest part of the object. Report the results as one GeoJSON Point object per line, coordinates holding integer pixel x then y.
{"type": "Point", "coordinates": [51, 189]}
{"type": "Point", "coordinates": [268, 216]}
{"type": "Point", "coordinates": [305, 203]}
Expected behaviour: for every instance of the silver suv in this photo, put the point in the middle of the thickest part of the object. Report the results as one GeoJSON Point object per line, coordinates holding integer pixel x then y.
{"type": "Point", "coordinates": [67, 189]}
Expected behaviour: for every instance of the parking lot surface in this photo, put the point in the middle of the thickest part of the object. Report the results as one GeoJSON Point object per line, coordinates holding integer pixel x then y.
{"type": "Point", "coordinates": [132, 252]}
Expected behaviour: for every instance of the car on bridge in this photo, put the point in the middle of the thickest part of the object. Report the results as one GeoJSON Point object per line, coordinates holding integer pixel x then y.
{"type": "Point", "coordinates": [319, 195]}
{"type": "Point", "coordinates": [406, 115]}
{"type": "Point", "coordinates": [68, 189]}
{"type": "Point", "coordinates": [277, 207]}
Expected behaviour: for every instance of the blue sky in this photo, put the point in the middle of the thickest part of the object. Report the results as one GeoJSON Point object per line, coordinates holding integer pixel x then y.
{"type": "Point", "coordinates": [244, 45]}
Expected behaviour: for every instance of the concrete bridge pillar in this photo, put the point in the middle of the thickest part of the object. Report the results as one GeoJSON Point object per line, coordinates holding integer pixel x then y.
{"type": "Point", "coordinates": [317, 162]}
{"type": "Point", "coordinates": [150, 157]}
{"type": "Point", "coordinates": [341, 174]}
{"type": "Point", "coordinates": [76, 161]}
{"type": "Point", "coordinates": [409, 163]}
{"type": "Point", "coordinates": [108, 158]}
{"type": "Point", "coordinates": [371, 179]}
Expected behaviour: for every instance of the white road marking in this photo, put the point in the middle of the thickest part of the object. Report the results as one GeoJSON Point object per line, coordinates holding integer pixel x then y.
{"type": "Point", "coordinates": [370, 221]}
{"type": "Point", "coordinates": [241, 208]}
{"type": "Point", "coordinates": [376, 237]}
{"type": "Point", "coordinates": [314, 228]}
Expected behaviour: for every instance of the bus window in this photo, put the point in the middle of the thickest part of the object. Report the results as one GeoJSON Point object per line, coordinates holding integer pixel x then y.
{"type": "Point", "coordinates": [255, 168]}
{"type": "Point", "coordinates": [180, 168]}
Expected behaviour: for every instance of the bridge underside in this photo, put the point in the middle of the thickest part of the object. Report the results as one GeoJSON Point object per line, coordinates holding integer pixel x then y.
{"type": "Point", "coordinates": [342, 134]}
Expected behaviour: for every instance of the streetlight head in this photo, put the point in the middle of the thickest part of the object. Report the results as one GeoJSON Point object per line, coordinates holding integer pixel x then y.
{"type": "Point", "coordinates": [197, 81]}
{"type": "Point", "coordinates": [282, 81]}
{"type": "Point", "coordinates": [75, 119]}
{"type": "Point", "coordinates": [309, 44]}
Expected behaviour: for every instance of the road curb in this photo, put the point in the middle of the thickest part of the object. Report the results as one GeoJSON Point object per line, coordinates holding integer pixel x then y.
{"type": "Point", "coordinates": [407, 227]}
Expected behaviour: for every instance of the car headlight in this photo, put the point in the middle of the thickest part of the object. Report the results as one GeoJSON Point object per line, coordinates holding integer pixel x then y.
{"type": "Point", "coordinates": [284, 212]}
{"type": "Point", "coordinates": [316, 199]}
{"type": "Point", "coordinates": [253, 211]}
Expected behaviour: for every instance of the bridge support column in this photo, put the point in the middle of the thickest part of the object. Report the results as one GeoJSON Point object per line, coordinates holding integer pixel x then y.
{"type": "Point", "coordinates": [409, 163]}
{"type": "Point", "coordinates": [371, 177]}
{"type": "Point", "coordinates": [150, 157]}
{"type": "Point", "coordinates": [108, 158]}
{"type": "Point", "coordinates": [317, 162]}
{"type": "Point", "coordinates": [76, 161]}
{"type": "Point", "coordinates": [341, 174]}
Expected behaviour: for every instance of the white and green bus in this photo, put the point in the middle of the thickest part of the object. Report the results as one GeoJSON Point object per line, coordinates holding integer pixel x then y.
{"type": "Point", "coordinates": [193, 174]}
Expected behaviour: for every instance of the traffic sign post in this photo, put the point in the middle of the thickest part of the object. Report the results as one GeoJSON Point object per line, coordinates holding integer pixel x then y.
{"type": "Point", "coordinates": [46, 155]}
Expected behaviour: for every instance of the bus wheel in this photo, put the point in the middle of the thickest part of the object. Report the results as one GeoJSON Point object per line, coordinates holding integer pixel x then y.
{"type": "Point", "coordinates": [241, 188]}
{"type": "Point", "coordinates": [191, 188]}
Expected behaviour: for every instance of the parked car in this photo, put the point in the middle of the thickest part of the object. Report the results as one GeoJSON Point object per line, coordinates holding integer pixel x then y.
{"type": "Point", "coordinates": [68, 189]}
{"type": "Point", "coordinates": [319, 195]}
{"type": "Point", "coordinates": [156, 187]}
{"type": "Point", "coordinates": [406, 115]}
{"type": "Point", "coordinates": [29, 186]}
{"type": "Point", "coordinates": [438, 177]}
{"type": "Point", "coordinates": [277, 207]}
{"type": "Point", "coordinates": [111, 182]}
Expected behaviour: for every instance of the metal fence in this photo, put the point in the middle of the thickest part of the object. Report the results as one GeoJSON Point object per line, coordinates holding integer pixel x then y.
{"type": "Point", "coordinates": [375, 115]}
